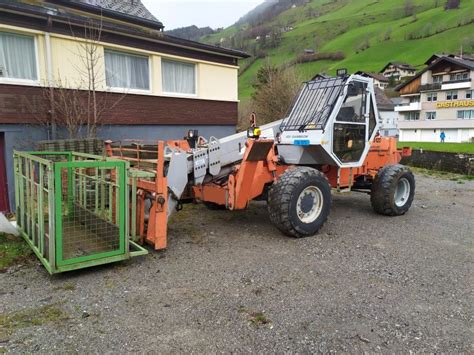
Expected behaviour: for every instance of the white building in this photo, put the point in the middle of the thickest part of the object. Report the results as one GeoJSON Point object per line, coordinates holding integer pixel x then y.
{"type": "Point", "coordinates": [398, 70]}
{"type": "Point", "coordinates": [439, 99]}
{"type": "Point", "coordinates": [380, 81]}
{"type": "Point", "coordinates": [388, 116]}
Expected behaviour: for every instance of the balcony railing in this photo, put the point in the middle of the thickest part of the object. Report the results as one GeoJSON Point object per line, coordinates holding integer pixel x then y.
{"type": "Point", "coordinates": [412, 106]}
{"type": "Point", "coordinates": [456, 84]}
{"type": "Point", "coordinates": [430, 87]}
{"type": "Point", "coordinates": [465, 80]}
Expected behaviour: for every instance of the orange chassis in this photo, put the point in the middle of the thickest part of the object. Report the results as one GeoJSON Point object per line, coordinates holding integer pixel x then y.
{"type": "Point", "coordinates": [247, 181]}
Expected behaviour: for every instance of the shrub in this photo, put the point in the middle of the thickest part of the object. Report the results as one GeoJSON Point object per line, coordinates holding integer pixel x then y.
{"type": "Point", "coordinates": [275, 92]}
{"type": "Point", "coordinates": [452, 4]}
{"type": "Point", "coordinates": [309, 58]}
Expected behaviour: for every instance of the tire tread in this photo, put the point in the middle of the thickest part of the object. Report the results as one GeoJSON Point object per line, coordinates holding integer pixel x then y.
{"type": "Point", "coordinates": [381, 196]}
{"type": "Point", "coordinates": [279, 198]}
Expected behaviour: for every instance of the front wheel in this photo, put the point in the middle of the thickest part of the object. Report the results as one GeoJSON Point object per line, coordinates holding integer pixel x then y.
{"type": "Point", "coordinates": [393, 190]}
{"type": "Point", "coordinates": [300, 201]}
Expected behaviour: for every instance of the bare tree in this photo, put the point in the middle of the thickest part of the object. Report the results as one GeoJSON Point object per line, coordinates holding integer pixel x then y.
{"type": "Point", "coordinates": [63, 107]}
{"type": "Point", "coordinates": [68, 108]}
{"type": "Point", "coordinates": [91, 70]}
{"type": "Point", "coordinates": [79, 107]}
{"type": "Point", "coordinates": [274, 93]}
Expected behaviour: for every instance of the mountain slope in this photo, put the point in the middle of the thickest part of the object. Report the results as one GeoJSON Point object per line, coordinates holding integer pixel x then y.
{"type": "Point", "coordinates": [192, 33]}
{"type": "Point", "coordinates": [369, 33]}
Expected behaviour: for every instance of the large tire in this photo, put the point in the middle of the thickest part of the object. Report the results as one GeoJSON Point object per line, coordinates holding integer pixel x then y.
{"type": "Point", "coordinates": [393, 190]}
{"type": "Point", "coordinates": [300, 201]}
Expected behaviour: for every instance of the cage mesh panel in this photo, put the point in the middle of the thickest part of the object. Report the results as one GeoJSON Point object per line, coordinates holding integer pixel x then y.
{"type": "Point", "coordinates": [89, 212]}
{"type": "Point", "coordinates": [33, 210]}
{"type": "Point", "coordinates": [71, 208]}
{"type": "Point", "coordinates": [313, 105]}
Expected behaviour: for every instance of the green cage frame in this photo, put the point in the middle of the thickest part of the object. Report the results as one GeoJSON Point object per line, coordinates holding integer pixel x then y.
{"type": "Point", "coordinates": [40, 180]}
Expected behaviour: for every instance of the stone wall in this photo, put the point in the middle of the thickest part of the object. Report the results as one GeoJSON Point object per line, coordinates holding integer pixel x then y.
{"type": "Point", "coordinates": [451, 162]}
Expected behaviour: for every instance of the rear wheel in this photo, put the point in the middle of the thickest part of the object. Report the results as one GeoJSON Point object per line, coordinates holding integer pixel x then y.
{"type": "Point", "coordinates": [300, 201]}
{"type": "Point", "coordinates": [393, 190]}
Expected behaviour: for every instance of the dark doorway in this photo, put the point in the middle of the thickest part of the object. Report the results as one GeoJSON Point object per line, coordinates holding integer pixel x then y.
{"type": "Point", "coordinates": [3, 177]}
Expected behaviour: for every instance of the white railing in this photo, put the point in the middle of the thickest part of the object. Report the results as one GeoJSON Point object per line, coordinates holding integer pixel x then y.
{"type": "Point", "coordinates": [456, 85]}
{"type": "Point", "coordinates": [412, 106]}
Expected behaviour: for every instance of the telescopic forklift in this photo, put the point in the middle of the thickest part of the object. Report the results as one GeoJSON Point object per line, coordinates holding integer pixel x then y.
{"type": "Point", "coordinates": [329, 140]}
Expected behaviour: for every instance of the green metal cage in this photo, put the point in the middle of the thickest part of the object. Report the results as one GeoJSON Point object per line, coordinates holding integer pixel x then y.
{"type": "Point", "coordinates": [73, 208]}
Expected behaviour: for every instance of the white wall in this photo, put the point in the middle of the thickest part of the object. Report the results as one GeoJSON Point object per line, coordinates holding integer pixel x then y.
{"type": "Point", "coordinates": [409, 135]}
{"type": "Point", "coordinates": [467, 135]}
{"type": "Point", "coordinates": [429, 135]}
{"type": "Point", "coordinates": [215, 81]}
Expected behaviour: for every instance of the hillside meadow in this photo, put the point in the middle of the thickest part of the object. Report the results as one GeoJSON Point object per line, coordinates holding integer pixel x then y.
{"type": "Point", "coordinates": [369, 33]}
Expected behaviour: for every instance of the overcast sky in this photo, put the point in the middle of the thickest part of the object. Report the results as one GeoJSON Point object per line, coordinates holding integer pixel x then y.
{"type": "Point", "coordinates": [213, 13]}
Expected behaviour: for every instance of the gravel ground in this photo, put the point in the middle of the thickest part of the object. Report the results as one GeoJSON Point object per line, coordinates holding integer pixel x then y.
{"type": "Point", "coordinates": [230, 282]}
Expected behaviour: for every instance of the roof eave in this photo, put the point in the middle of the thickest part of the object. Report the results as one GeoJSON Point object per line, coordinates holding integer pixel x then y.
{"type": "Point", "coordinates": [32, 10]}
{"type": "Point", "coordinates": [156, 25]}
{"type": "Point", "coordinates": [435, 62]}
{"type": "Point", "coordinates": [230, 52]}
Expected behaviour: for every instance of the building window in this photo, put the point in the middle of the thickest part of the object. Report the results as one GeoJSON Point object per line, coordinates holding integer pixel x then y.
{"type": "Point", "coordinates": [431, 115]}
{"type": "Point", "coordinates": [126, 71]}
{"type": "Point", "coordinates": [466, 114]}
{"type": "Point", "coordinates": [178, 77]}
{"type": "Point", "coordinates": [459, 76]}
{"type": "Point", "coordinates": [432, 96]}
{"type": "Point", "coordinates": [414, 99]}
{"type": "Point", "coordinates": [412, 116]}
{"type": "Point", "coordinates": [17, 57]}
{"type": "Point", "coordinates": [469, 94]}
{"type": "Point", "coordinates": [437, 79]}
{"type": "Point", "coordinates": [451, 95]}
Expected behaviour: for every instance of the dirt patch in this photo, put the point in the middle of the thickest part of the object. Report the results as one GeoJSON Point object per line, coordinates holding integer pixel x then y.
{"type": "Point", "coordinates": [31, 317]}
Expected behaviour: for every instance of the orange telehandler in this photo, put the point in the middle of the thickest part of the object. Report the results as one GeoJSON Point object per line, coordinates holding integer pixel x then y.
{"type": "Point", "coordinates": [329, 140]}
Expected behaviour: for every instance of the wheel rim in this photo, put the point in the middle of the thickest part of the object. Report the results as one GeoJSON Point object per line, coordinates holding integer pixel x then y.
{"type": "Point", "coordinates": [310, 204]}
{"type": "Point", "coordinates": [402, 192]}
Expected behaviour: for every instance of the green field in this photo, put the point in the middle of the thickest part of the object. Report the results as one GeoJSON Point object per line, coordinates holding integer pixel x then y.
{"type": "Point", "coordinates": [466, 148]}
{"type": "Point", "coordinates": [343, 25]}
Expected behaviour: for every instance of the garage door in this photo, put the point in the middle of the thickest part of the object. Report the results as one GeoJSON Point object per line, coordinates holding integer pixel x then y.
{"type": "Point", "coordinates": [3, 176]}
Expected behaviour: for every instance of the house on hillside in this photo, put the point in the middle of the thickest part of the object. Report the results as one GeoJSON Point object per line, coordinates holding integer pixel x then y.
{"type": "Point", "coordinates": [398, 70]}
{"type": "Point", "coordinates": [152, 86]}
{"type": "Point", "coordinates": [439, 99]}
{"type": "Point", "coordinates": [436, 56]}
{"type": "Point", "coordinates": [380, 80]}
